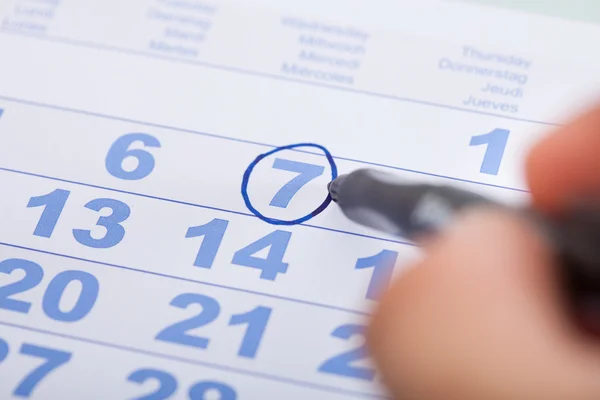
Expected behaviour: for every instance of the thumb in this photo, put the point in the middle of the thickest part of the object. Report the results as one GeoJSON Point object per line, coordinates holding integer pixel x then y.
{"type": "Point", "coordinates": [480, 318]}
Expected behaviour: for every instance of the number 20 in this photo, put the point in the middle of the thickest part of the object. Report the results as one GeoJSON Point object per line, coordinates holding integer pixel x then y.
{"type": "Point", "coordinates": [53, 293]}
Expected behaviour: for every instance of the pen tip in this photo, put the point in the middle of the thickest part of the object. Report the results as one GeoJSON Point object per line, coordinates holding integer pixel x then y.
{"type": "Point", "coordinates": [333, 187]}
{"type": "Point", "coordinates": [331, 194]}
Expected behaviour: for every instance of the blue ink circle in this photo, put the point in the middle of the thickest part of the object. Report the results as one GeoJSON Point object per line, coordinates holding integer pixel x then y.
{"type": "Point", "coordinates": [275, 221]}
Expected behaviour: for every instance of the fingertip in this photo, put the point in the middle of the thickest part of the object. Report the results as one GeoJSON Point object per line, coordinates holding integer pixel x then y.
{"type": "Point", "coordinates": [565, 165]}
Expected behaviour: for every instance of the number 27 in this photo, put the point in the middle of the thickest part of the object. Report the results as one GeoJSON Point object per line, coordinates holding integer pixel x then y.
{"type": "Point", "coordinates": [53, 359]}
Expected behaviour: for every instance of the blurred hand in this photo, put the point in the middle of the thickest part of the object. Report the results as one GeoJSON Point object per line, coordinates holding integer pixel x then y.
{"type": "Point", "coordinates": [482, 316]}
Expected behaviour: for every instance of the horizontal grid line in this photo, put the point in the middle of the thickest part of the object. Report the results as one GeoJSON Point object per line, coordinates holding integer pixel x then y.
{"type": "Point", "coordinates": [241, 371]}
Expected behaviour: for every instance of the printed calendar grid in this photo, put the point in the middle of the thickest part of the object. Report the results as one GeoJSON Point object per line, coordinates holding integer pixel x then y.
{"type": "Point", "coordinates": [232, 69]}
{"type": "Point", "coordinates": [155, 198]}
{"type": "Point", "coordinates": [92, 114]}
{"type": "Point", "coordinates": [187, 360]}
{"type": "Point", "coordinates": [173, 357]}
{"type": "Point", "coordinates": [102, 265]}
{"type": "Point", "coordinates": [204, 206]}
{"type": "Point", "coordinates": [292, 381]}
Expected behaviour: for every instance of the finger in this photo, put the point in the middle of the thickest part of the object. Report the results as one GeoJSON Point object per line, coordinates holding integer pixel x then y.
{"type": "Point", "coordinates": [566, 164]}
{"type": "Point", "coordinates": [480, 318]}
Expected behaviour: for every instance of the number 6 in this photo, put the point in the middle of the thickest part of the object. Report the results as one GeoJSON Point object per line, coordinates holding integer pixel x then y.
{"type": "Point", "coordinates": [119, 151]}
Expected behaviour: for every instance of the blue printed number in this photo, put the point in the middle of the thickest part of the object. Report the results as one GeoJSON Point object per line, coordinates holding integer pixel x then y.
{"type": "Point", "coordinates": [201, 389]}
{"type": "Point", "coordinates": [54, 359]}
{"type": "Point", "coordinates": [273, 264]}
{"type": "Point", "coordinates": [167, 383]}
{"type": "Point", "coordinates": [54, 203]}
{"type": "Point", "coordinates": [340, 364]}
{"type": "Point", "coordinates": [85, 301]}
{"type": "Point", "coordinates": [54, 292]}
{"type": "Point", "coordinates": [213, 233]}
{"type": "Point", "coordinates": [33, 276]}
{"type": "Point", "coordinates": [3, 350]}
{"type": "Point", "coordinates": [168, 386]}
{"type": "Point", "coordinates": [177, 333]}
{"type": "Point", "coordinates": [496, 143]}
{"type": "Point", "coordinates": [256, 321]}
{"type": "Point", "coordinates": [119, 151]}
{"type": "Point", "coordinates": [307, 172]}
{"type": "Point", "coordinates": [114, 230]}
{"type": "Point", "coordinates": [383, 268]}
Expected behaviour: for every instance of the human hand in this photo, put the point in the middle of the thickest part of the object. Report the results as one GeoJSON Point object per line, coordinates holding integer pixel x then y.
{"type": "Point", "coordinates": [482, 316]}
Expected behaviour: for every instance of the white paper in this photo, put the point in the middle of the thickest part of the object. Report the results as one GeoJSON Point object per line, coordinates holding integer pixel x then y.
{"type": "Point", "coordinates": [196, 91]}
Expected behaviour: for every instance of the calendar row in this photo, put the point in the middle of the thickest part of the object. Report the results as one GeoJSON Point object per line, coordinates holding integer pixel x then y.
{"type": "Point", "coordinates": [127, 309]}
{"type": "Point", "coordinates": [285, 185]}
{"type": "Point", "coordinates": [240, 252]}
{"type": "Point", "coordinates": [41, 365]}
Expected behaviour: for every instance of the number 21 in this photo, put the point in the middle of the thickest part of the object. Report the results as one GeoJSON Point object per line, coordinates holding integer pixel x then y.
{"type": "Point", "coordinates": [255, 321]}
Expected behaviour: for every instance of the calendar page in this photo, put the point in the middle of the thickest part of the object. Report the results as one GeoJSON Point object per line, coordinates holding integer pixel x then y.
{"type": "Point", "coordinates": [165, 227]}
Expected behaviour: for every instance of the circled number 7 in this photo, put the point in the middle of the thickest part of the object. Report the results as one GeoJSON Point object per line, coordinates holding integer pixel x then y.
{"type": "Point", "coordinates": [306, 173]}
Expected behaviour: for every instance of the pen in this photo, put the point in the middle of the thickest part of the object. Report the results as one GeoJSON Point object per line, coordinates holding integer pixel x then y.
{"type": "Point", "coordinates": [385, 202]}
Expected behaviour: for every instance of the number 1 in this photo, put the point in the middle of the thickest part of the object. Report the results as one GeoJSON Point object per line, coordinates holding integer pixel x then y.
{"type": "Point", "coordinates": [257, 322]}
{"type": "Point", "coordinates": [53, 204]}
{"type": "Point", "coordinates": [496, 143]}
{"type": "Point", "coordinates": [307, 172]}
{"type": "Point", "coordinates": [213, 233]}
{"type": "Point", "coordinates": [383, 268]}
